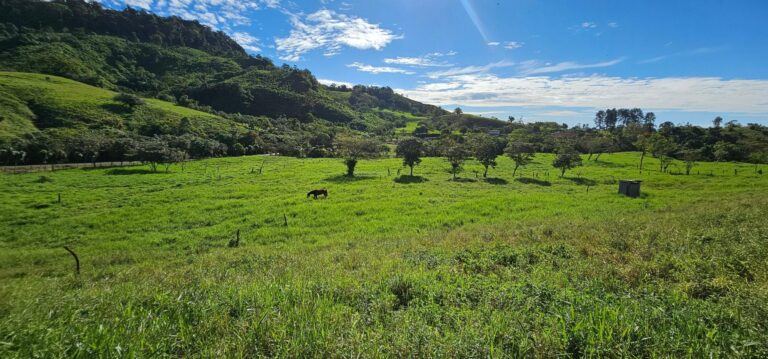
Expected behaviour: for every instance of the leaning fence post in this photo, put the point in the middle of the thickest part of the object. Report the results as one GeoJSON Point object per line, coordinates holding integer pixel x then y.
{"type": "Point", "coordinates": [77, 260]}
{"type": "Point", "coordinates": [285, 220]}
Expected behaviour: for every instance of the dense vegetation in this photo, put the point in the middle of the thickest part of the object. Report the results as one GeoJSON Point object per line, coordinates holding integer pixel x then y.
{"type": "Point", "coordinates": [530, 265]}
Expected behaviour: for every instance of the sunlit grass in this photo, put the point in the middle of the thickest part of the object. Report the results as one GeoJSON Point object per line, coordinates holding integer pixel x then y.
{"type": "Point", "coordinates": [533, 265]}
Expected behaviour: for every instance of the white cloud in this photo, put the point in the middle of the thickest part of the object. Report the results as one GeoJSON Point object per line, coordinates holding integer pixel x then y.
{"type": "Point", "coordinates": [247, 41]}
{"type": "Point", "coordinates": [613, 24]}
{"type": "Point", "coordinates": [440, 86]}
{"type": "Point", "coordinates": [328, 82]}
{"type": "Point", "coordinates": [428, 60]}
{"type": "Point", "coordinates": [272, 3]}
{"type": "Point", "coordinates": [218, 14]}
{"type": "Point", "coordinates": [468, 70]}
{"type": "Point", "coordinates": [327, 30]}
{"type": "Point", "coordinates": [706, 94]}
{"type": "Point", "coordinates": [693, 52]}
{"type": "Point", "coordinates": [144, 4]}
{"type": "Point", "coordinates": [588, 25]}
{"type": "Point", "coordinates": [379, 69]}
{"type": "Point", "coordinates": [513, 45]}
{"type": "Point", "coordinates": [533, 67]}
{"type": "Point", "coordinates": [494, 43]}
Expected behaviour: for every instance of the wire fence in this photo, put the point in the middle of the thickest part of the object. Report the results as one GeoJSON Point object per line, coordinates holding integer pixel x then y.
{"type": "Point", "coordinates": [62, 166]}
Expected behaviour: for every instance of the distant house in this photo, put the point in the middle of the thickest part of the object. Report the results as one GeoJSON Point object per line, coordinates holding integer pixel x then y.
{"type": "Point", "coordinates": [494, 132]}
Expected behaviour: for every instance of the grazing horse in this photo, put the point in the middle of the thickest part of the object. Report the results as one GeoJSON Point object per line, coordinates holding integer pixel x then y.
{"type": "Point", "coordinates": [318, 192]}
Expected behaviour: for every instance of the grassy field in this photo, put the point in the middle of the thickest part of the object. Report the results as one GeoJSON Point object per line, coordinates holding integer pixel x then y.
{"type": "Point", "coordinates": [32, 101]}
{"type": "Point", "coordinates": [534, 265]}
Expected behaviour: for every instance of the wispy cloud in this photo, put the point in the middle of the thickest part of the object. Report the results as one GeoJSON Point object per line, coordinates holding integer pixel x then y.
{"type": "Point", "coordinates": [511, 45]}
{"type": "Point", "coordinates": [329, 31]}
{"type": "Point", "coordinates": [428, 60]}
{"type": "Point", "coordinates": [379, 69]}
{"type": "Point", "coordinates": [247, 41]}
{"type": "Point", "coordinates": [613, 24]}
{"type": "Point", "coordinates": [469, 70]}
{"type": "Point", "coordinates": [534, 68]}
{"type": "Point", "coordinates": [693, 52]}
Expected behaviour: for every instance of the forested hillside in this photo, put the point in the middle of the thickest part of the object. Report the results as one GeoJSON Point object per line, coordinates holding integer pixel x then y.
{"type": "Point", "coordinates": [285, 108]}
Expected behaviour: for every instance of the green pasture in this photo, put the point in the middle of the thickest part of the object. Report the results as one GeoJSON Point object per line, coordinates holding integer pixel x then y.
{"type": "Point", "coordinates": [388, 265]}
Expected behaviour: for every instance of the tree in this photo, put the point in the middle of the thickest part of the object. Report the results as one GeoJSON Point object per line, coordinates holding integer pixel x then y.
{"type": "Point", "coordinates": [129, 100]}
{"type": "Point", "coordinates": [421, 130]}
{"type": "Point", "coordinates": [643, 143]}
{"type": "Point", "coordinates": [155, 152]}
{"type": "Point", "coordinates": [521, 153]}
{"type": "Point", "coordinates": [238, 149]}
{"type": "Point", "coordinates": [456, 153]}
{"type": "Point", "coordinates": [485, 150]}
{"type": "Point", "coordinates": [717, 122]}
{"type": "Point", "coordinates": [410, 150]}
{"type": "Point", "coordinates": [457, 111]}
{"type": "Point", "coordinates": [690, 156]}
{"type": "Point", "coordinates": [662, 148]}
{"type": "Point", "coordinates": [566, 159]}
{"type": "Point", "coordinates": [88, 146]}
{"type": "Point", "coordinates": [353, 148]}
{"type": "Point", "coordinates": [599, 145]}
{"type": "Point", "coordinates": [758, 158]}
{"type": "Point", "coordinates": [724, 151]}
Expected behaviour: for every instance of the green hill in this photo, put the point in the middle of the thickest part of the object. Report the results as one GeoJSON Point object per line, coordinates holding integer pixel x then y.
{"type": "Point", "coordinates": [176, 60]}
{"type": "Point", "coordinates": [30, 103]}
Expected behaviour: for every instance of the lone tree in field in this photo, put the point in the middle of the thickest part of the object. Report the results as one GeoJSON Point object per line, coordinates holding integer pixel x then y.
{"type": "Point", "coordinates": [410, 150]}
{"type": "Point", "coordinates": [643, 144]}
{"type": "Point", "coordinates": [690, 156]}
{"type": "Point", "coordinates": [354, 148]}
{"type": "Point", "coordinates": [129, 100]}
{"type": "Point", "coordinates": [520, 152]}
{"type": "Point", "coordinates": [566, 159]}
{"type": "Point", "coordinates": [456, 153]}
{"type": "Point", "coordinates": [485, 150]}
{"type": "Point", "coordinates": [662, 148]}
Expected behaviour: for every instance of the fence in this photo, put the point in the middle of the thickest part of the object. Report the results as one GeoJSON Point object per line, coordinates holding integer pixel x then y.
{"type": "Point", "coordinates": [62, 166]}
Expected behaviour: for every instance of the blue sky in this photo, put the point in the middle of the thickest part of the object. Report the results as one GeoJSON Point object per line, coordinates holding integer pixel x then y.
{"type": "Point", "coordinates": [554, 60]}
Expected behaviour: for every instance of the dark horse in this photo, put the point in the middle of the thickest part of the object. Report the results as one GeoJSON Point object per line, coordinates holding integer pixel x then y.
{"type": "Point", "coordinates": [318, 192]}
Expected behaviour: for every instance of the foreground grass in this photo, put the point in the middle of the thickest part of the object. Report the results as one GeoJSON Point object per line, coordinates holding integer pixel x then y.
{"type": "Point", "coordinates": [527, 266]}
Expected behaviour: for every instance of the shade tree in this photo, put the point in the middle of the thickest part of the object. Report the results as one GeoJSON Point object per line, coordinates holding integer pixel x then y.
{"type": "Point", "coordinates": [485, 150]}
{"type": "Point", "coordinates": [353, 148]}
{"type": "Point", "coordinates": [410, 150]}
{"type": "Point", "coordinates": [566, 159]}
{"type": "Point", "coordinates": [521, 153]}
{"type": "Point", "coordinates": [456, 153]}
